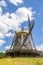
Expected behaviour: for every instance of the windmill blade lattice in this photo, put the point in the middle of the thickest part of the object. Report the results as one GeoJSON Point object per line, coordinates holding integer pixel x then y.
{"type": "Point", "coordinates": [33, 41]}
{"type": "Point", "coordinates": [13, 40]}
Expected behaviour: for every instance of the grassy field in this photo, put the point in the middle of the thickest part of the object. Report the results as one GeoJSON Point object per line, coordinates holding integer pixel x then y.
{"type": "Point", "coordinates": [21, 61]}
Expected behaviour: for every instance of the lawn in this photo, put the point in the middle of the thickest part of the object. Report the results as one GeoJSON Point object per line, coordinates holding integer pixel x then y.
{"type": "Point", "coordinates": [21, 61]}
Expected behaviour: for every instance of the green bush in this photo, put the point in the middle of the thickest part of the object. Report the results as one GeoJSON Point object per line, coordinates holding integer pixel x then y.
{"type": "Point", "coordinates": [2, 55]}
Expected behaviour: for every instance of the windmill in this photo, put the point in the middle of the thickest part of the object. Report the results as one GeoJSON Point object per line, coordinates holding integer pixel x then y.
{"type": "Point", "coordinates": [21, 41]}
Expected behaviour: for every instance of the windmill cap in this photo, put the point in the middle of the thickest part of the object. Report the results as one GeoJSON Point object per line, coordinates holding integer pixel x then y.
{"type": "Point", "coordinates": [22, 33]}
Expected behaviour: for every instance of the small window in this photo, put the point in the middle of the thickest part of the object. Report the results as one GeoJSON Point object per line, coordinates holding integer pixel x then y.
{"type": "Point", "coordinates": [19, 41]}
{"type": "Point", "coordinates": [23, 35]}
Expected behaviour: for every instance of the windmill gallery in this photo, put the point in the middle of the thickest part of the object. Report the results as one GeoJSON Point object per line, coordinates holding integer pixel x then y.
{"type": "Point", "coordinates": [21, 45]}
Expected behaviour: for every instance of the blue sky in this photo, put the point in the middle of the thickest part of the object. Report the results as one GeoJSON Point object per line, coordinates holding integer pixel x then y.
{"type": "Point", "coordinates": [11, 13]}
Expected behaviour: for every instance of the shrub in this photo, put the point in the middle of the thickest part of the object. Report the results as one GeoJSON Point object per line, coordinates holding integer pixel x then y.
{"type": "Point", "coordinates": [2, 55]}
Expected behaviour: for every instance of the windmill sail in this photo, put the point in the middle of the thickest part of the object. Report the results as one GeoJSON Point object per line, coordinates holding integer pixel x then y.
{"type": "Point", "coordinates": [29, 24]}
{"type": "Point", "coordinates": [13, 40]}
{"type": "Point", "coordinates": [32, 37]}
{"type": "Point", "coordinates": [33, 42]}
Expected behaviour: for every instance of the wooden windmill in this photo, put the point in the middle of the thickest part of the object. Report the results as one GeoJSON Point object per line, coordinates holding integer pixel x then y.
{"type": "Point", "coordinates": [21, 42]}
{"type": "Point", "coordinates": [22, 38]}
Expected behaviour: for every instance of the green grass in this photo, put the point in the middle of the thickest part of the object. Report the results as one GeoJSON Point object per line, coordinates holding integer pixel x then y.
{"type": "Point", "coordinates": [21, 61]}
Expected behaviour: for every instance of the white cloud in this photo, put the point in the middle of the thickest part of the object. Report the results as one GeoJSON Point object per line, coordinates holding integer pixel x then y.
{"type": "Point", "coordinates": [7, 47]}
{"type": "Point", "coordinates": [2, 42]}
{"type": "Point", "coordinates": [16, 2]}
{"type": "Point", "coordinates": [0, 10]}
{"type": "Point", "coordinates": [2, 51]}
{"type": "Point", "coordinates": [40, 47]}
{"type": "Point", "coordinates": [14, 22]}
{"type": "Point", "coordinates": [3, 3]}
{"type": "Point", "coordinates": [9, 34]}
{"type": "Point", "coordinates": [1, 35]}
{"type": "Point", "coordinates": [23, 13]}
{"type": "Point", "coordinates": [16, 19]}
{"type": "Point", "coordinates": [5, 24]}
{"type": "Point", "coordinates": [42, 28]}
